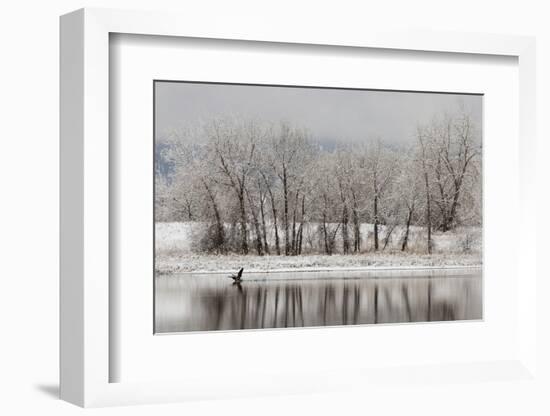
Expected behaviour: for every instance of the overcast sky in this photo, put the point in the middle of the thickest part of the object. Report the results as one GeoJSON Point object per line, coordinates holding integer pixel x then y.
{"type": "Point", "coordinates": [329, 114]}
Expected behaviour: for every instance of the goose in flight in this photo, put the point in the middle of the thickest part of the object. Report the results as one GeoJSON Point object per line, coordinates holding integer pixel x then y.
{"type": "Point", "coordinates": [237, 278]}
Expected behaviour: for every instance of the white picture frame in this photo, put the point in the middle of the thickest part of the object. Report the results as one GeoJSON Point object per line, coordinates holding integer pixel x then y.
{"type": "Point", "coordinates": [85, 163]}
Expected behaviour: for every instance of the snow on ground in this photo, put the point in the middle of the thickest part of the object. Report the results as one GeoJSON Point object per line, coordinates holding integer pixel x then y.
{"type": "Point", "coordinates": [173, 237]}
{"type": "Point", "coordinates": [457, 248]}
{"type": "Point", "coordinates": [254, 263]}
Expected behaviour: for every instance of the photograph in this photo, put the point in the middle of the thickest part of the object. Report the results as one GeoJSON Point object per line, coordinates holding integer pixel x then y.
{"type": "Point", "coordinates": [279, 206]}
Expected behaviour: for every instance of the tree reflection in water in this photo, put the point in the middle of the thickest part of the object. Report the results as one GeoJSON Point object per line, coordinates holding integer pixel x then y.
{"type": "Point", "coordinates": [206, 303]}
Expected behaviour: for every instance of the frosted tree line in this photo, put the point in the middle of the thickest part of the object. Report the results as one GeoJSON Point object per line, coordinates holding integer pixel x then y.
{"type": "Point", "coordinates": [273, 189]}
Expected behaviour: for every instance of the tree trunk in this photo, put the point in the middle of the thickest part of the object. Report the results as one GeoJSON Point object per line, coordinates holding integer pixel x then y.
{"type": "Point", "coordinates": [300, 239]}
{"type": "Point", "coordinates": [325, 231]}
{"type": "Point", "coordinates": [376, 222]}
{"type": "Point", "coordinates": [275, 226]}
{"type": "Point", "coordinates": [388, 236]}
{"type": "Point", "coordinates": [428, 212]}
{"type": "Point", "coordinates": [301, 229]}
{"type": "Point", "coordinates": [406, 237]}
{"type": "Point", "coordinates": [244, 230]}
{"type": "Point", "coordinates": [274, 213]}
{"type": "Point", "coordinates": [264, 228]}
{"type": "Point", "coordinates": [259, 247]}
{"type": "Point", "coordinates": [356, 227]}
{"type": "Point", "coordinates": [443, 205]}
{"type": "Point", "coordinates": [345, 233]}
{"type": "Point", "coordinates": [294, 249]}
{"type": "Point", "coordinates": [454, 205]}
{"type": "Point", "coordinates": [220, 231]}
{"type": "Point", "coordinates": [285, 218]}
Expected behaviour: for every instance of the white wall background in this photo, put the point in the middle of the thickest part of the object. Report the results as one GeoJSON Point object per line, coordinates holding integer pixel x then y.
{"type": "Point", "coordinates": [29, 205]}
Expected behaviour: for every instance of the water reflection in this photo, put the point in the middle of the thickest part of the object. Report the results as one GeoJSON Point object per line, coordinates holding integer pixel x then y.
{"type": "Point", "coordinates": [212, 302]}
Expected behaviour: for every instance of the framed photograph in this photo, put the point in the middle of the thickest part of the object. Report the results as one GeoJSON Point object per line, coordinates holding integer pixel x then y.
{"type": "Point", "coordinates": [284, 206]}
{"type": "Point", "coordinates": [263, 209]}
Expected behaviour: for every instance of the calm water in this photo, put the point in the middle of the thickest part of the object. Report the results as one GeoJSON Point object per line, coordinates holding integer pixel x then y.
{"type": "Point", "coordinates": [207, 302]}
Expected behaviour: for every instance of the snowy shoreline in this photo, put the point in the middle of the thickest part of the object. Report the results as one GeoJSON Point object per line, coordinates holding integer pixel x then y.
{"type": "Point", "coordinates": [201, 264]}
{"type": "Point", "coordinates": [174, 255]}
{"type": "Point", "coordinates": [369, 269]}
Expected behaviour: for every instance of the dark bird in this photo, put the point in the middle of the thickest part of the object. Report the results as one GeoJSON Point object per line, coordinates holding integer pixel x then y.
{"type": "Point", "coordinates": [237, 278]}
